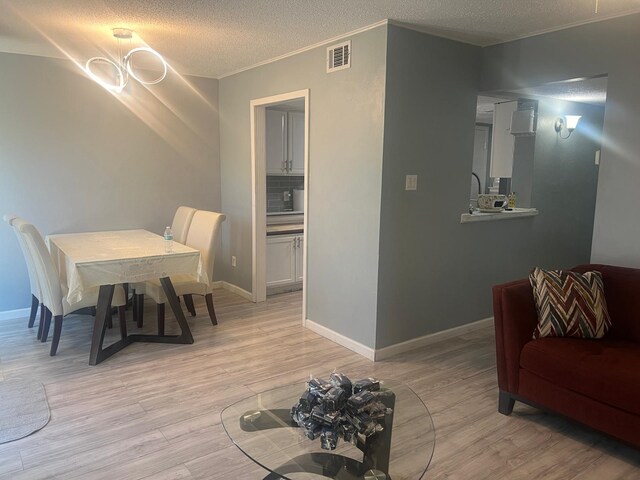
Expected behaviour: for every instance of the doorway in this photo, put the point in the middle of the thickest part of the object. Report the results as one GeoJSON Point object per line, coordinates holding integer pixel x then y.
{"type": "Point", "coordinates": [262, 152]}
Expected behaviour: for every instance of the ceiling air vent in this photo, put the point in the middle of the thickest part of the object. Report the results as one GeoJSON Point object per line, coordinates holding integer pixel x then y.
{"type": "Point", "coordinates": [339, 57]}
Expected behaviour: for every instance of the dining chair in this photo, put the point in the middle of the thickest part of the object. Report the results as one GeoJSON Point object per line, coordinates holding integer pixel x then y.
{"type": "Point", "coordinates": [179, 227]}
{"type": "Point", "coordinates": [54, 290]}
{"type": "Point", "coordinates": [36, 295]}
{"type": "Point", "coordinates": [181, 222]}
{"type": "Point", "coordinates": [202, 235]}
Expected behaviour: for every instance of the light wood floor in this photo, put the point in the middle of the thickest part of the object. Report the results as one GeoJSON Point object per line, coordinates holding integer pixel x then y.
{"type": "Point", "coordinates": [153, 411]}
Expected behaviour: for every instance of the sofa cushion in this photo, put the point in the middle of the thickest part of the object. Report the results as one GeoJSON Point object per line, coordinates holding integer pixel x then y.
{"type": "Point", "coordinates": [569, 304]}
{"type": "Point", "coordinates": [605, 370]}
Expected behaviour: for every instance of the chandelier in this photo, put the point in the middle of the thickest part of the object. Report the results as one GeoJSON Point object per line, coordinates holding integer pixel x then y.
{"type": "Point", "coordinates": [123, 68]}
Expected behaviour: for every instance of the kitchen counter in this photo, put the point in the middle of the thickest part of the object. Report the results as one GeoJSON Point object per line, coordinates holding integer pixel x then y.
{"type": "Point", "coordinates": [285, 229]}
{"type": "Point", "coordinates": [502, 215]}
{"type": "Point", "coordinates": [285, 218]}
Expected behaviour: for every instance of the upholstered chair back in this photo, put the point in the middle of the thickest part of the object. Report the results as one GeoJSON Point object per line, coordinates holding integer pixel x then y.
{"type": "Point", "coordinates": [181, 222]}
{"type": "Point", "coordinates": [203, 236]}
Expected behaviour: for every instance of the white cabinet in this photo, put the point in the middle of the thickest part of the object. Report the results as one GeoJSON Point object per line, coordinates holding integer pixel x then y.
{"type": "Point", "coordinates": [296, 142]}
{"type": "Point", "coordinates": [299, 249]}
{"type": "Point", "coordinates": [502, 142]}
{"type": "Point", "coordinates": [284, 260]}
{"type": "Point", "coordinates": [276, 142]}
{"type": "Point", "coordinates": [285, 142]}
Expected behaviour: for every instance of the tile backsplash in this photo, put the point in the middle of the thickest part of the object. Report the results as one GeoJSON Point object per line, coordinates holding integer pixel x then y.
{"type": "Point", "coordinates": [276, 186]}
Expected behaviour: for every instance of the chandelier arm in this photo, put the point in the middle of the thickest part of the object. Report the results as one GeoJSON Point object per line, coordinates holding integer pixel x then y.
{"type": "Point", "coordinates": [129, 68]}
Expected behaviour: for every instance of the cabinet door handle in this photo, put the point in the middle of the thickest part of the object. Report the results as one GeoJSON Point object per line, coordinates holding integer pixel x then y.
{"type": "Point", "coordinates": [290, 165]}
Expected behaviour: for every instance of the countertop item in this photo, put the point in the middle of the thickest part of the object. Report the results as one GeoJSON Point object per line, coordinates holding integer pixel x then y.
{"type": "Point", "coordinates": [298, 199]}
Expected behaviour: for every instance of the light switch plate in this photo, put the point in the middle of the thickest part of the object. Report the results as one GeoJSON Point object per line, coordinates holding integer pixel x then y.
{"type": "Point", "coordinates": [411, 182]}
{"type": "Point", "coordinates": [597, 157]}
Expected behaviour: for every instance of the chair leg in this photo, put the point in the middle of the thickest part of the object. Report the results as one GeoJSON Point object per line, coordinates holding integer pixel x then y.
{"type": "Point", "coordinates": [134, 305]}
{"type": "Point", "coordinates": [125, 287]}
{"type": "Point", "coordinates": [45, 328]}
{"type": "Point", "coordinates": [43, 315]}
{"type": "Point", "coordinates": [123, 321]}
{"type": "Point", "coordinates": [212, 312]}
{"type": "Point", "coordinates": [505, 403]}
{"type": "Point", "coordinates": [57, 331]}
{"type": "Point", "coordinates": [188, 301]}
{"type": "Point", "coordinates": [161, 319]}
{"type": "Point", "coordinates": [140, 312]}
{"type": "Point", "coordinates": [34, 310]}
{"type": "Point", "coordinates": [43, 310]}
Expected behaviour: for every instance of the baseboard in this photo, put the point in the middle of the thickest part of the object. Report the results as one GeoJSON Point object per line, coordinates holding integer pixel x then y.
{"type": "Point", "coordinates": [11, 314]}
{"type": "Point", "coordinates": [237, 290]}
{"type": "Point", "coordinates": [391, 350]}
{"type": "Point", "coordinates": [340, 339]}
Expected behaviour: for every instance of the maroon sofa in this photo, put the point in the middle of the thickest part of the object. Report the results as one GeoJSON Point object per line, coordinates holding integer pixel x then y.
{"type": "Point", "coordinates": [595, 382]}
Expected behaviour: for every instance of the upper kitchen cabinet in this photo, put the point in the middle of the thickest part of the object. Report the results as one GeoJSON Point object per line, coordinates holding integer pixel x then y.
{"type": "Point", "coordinates": [502, 142]}
{"type": "Point", "coordinates": [296, 142]}
{"type": "Point", "coordinates": [285, 142]}
{"type": "Point", "coordinates": [276, 142]}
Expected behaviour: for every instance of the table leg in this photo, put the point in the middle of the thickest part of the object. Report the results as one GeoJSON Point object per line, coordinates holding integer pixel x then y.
{"type": "Point", "coordinates": [174, 302]}
{"type": "Point", "coordinates": [103, 314]}
{"type": "Point", "coordinates": [185, 333]}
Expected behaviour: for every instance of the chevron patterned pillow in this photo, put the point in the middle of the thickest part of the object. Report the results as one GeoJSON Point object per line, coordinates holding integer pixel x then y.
{"type": "Point", "coordinates": [569, 304]}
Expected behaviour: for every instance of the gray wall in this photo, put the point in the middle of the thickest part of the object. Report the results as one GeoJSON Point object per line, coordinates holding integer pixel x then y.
{"type": "Point", "coordinates": [565, 179]}
{"type": "Point", "coordinates": [75, 158]}
{"type": "Point", "coordinates": [608, 47]}
{"type": "Point", "coordinates": [345, 171]}
{"type": "Point", "coordinates": [435, 273]}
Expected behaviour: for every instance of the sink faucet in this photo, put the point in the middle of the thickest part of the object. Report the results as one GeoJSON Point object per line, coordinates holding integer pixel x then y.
{"type": "Point", "coordinates": [479, 184]}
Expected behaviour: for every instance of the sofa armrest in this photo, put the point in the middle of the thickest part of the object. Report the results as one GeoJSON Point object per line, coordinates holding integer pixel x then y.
{"type": "Point", "coordinates": [515, 318]}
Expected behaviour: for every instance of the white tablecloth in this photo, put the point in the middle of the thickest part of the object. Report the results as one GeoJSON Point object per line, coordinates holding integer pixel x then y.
{"type": "Point", "coordinates": [88, 260]}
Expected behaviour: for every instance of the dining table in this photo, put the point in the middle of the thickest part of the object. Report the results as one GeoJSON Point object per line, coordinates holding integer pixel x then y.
{"type": "Point", "coordinates": [105, 259]}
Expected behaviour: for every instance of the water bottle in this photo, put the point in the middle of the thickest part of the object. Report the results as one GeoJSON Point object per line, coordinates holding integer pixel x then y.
{"type": "Point", "coordinates": [168, 240]}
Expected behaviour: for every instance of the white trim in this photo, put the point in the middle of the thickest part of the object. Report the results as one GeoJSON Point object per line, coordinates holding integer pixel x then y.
{"type": "Point", "coordinates": [237, 290]}
{"type": "Point", "coordinates": [391, 350]}
{"type": "Point", "coordinates": [376, 355]}
{"type": "Point", "coordinates": [340, 339]}
{"type": "Point", "coordinates": [259, 191]}
{"type": "Point", "coordinates": [258, 200]}
{"type": "Point", "coordinates": [305, 244]}
{"type": "Point", "coordinates": [13, 314]}
{"type": "Point", "coordinates": [305, 49]}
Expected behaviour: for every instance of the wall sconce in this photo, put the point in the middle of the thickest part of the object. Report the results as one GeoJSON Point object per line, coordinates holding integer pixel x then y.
{"type": "Point", "coordinates": [569, 123]}
{"type": "Point", "coordinates": [123, 68]}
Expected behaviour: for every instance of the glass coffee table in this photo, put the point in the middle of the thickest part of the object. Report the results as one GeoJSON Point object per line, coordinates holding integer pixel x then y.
{"type": "Point", "coordinates": [262, 428]}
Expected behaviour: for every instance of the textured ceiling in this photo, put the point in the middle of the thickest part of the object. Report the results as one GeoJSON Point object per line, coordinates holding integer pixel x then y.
{"type": "Point", "coordinates": [216, 37]}
{"type": "Point", "coordinates": [582, 90]}
{"type": "Point", "coordinates": [592, 90]}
